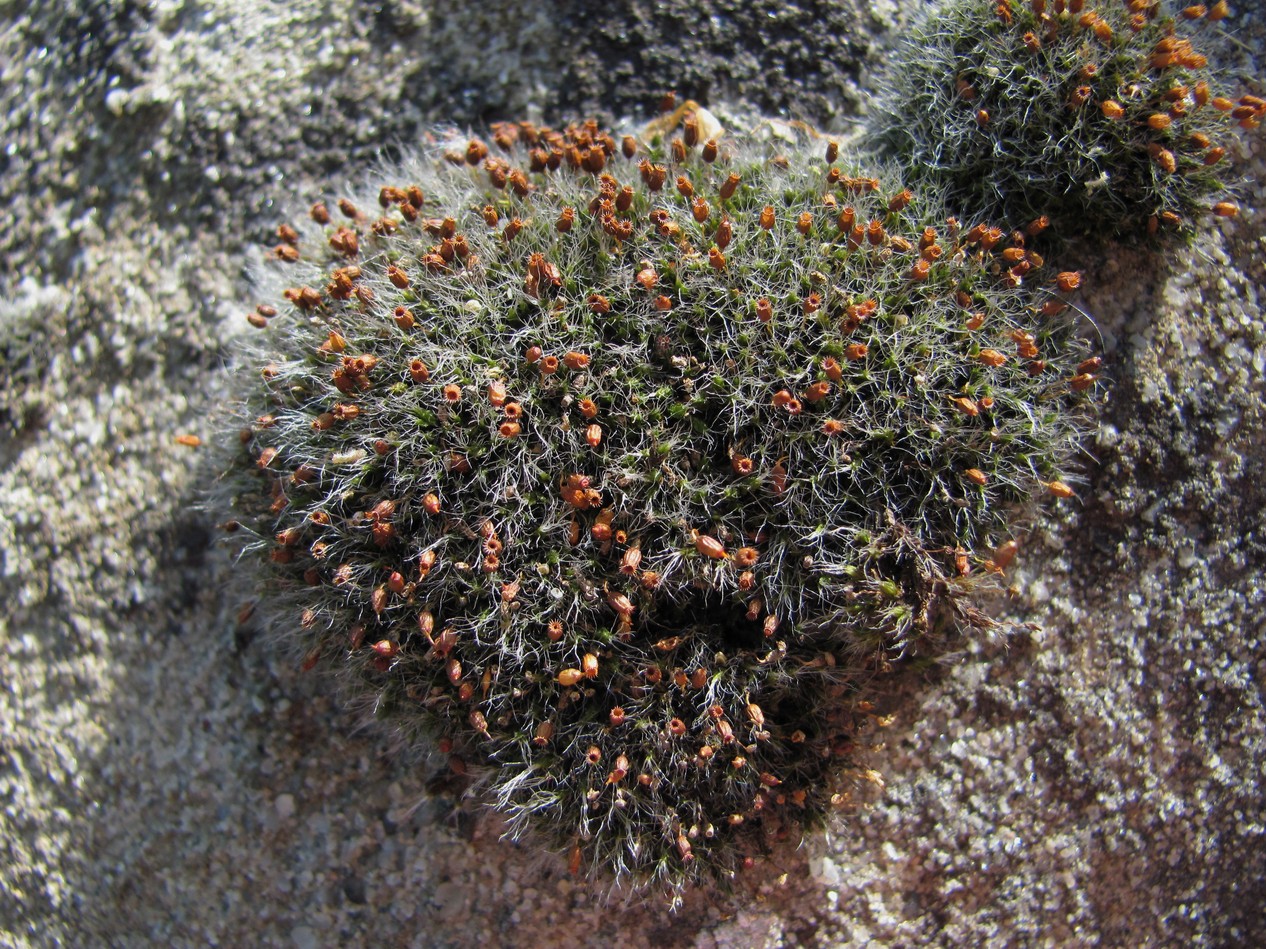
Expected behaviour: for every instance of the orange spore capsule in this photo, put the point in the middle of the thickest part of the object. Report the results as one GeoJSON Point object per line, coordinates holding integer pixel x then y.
{"type": "Point", "coordinates": [1059, 489]}
{"type": "Point", "coordinates": [710, 547]}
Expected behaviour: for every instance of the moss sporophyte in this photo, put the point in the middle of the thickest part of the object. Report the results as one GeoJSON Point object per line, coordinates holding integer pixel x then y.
{"type": "Point", "coordinates": [615, 467]}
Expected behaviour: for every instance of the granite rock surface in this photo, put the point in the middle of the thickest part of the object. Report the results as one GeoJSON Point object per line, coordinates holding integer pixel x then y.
{"type": "Point", "coordinates": [166, 777]}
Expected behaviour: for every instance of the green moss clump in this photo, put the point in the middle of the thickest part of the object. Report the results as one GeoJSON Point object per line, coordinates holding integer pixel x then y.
{"type": "Point", "coordinates": [1104, 120]}
{"type": "Point", "coordinates": [618, 468]}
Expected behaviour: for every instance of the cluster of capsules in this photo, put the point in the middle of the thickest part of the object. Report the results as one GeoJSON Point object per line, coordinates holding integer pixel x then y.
{"type": "Point", "coordinates": [619, 466]}
{"type": "Point", "coordinates": [1105, 118]}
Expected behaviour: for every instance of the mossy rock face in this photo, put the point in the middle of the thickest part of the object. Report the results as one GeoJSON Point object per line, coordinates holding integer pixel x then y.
{"type": "Point", "coordinates": [617, 466]}
{"type": "Point", "coordinates": [1107, 120]}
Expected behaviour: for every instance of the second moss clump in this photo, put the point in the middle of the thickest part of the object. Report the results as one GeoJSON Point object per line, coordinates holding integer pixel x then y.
{"type": "Point", "coordinates": [1103, 119]}
{"type": "Point", "coordinates": [617, 467]}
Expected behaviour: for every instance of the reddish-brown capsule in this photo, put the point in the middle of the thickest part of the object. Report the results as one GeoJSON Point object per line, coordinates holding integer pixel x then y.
{"type": "Point", "coordinates": [725, 232]}
{"type": "Point", "coordinates": [690, 127]}
{"type": "Point", "coordinates": [594, 159]}
{"type": "Point", "coordinates": [1164, 158]}
{"type": "Point", "coordinates": [345, 241]}
{"type": "Point", "coordinates": [569, 677]}
{"type": "Point", "coordinates": [654, 176]}
{"type": "Point", "coordinates": [544, 732]}
{"type": "Point", "coordinates": [991, 357]}
{"type": "Point", "coordinates": [426, 561]}
{"type": "Point", "coordinates": [817, 392]}
{"type": "Point", "coordinates": [589, 665]}
{"type": "Point", "coordinates": [1112, 110]}
{"type": "Point", "coordinates": [710, 547]}
{"type": "Point", "coordinates": [397, 276]}
{"type": "Point", "coordinates": [403, 318]}
{"type": "Point", "coordinates": [1068, 281]}
{"type": "Point", "coordinates": [1059, 489]}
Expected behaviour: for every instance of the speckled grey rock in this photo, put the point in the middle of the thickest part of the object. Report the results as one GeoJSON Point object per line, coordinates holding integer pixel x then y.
{"type": "Point", "coordinates": [167, 778]}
